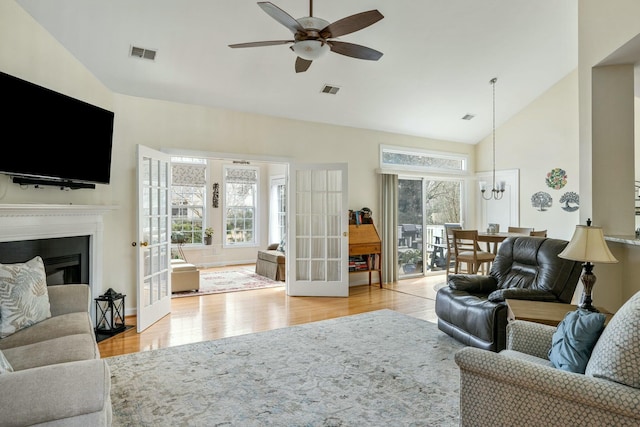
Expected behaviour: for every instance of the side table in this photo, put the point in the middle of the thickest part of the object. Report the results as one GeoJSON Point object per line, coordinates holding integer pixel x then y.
{"type": "Point", "coordinates": [548, 313]}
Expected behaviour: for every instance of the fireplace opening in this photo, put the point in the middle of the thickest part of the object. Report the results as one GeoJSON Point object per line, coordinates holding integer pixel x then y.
{"type": "Point", "coordinates": [63, 269]}
{"type": "Point", "coordinates": [66, 259]}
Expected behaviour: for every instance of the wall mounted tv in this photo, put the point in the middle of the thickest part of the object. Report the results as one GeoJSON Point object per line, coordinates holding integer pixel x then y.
{"type": "Point", "coordinates": [51, 138]}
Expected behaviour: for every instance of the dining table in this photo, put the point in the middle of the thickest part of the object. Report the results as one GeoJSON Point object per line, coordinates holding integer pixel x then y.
{"type": "Point", "coordinates": [493, 240]}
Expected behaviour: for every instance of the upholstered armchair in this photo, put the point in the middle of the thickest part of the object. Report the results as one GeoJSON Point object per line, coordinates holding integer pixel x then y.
{"type": "Point", "coordinates": [472, 307]}
{"type": "Point", "coordinates": [520, 386]}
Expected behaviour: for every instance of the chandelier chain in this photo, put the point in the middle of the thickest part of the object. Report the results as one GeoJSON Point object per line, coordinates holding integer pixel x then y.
{"type": "Point", "coordinates": [493, 84]}
{"type": "Point", "coordinates": [496, 191]}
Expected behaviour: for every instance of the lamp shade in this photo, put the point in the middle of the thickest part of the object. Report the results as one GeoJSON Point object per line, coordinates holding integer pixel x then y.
{"type": "Point", "coordinates": [310, 49]}
{"type": "Point", "coordinates": [588, 245]}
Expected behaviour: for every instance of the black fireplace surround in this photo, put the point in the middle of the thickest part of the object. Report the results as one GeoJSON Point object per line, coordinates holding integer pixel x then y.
{"type": "Point", "coordinates": [66, 259]}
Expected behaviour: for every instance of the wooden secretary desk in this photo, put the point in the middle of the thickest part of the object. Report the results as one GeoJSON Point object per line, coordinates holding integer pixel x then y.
{"type": "Point", "coordinates": [365, 250]}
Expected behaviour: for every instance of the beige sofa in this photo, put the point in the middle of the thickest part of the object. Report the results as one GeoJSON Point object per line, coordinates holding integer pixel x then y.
{"type": "Point", "coordinates": [58, 376]}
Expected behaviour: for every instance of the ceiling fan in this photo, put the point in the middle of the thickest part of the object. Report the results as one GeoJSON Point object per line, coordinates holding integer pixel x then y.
{"type": "Point", "coordinates": [313, 37]}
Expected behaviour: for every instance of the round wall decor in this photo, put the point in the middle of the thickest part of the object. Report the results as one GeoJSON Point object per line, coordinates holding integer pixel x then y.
{"type": "Point", "coordinates": [570, 201]}
{"type": "Point", "coordinates": [541, 200]}
{"type": "Point", "coordinates": [556, 179]}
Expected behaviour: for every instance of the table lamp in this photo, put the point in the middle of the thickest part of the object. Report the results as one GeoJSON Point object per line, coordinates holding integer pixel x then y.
{"type": "Point", "coordinates": [588, 246]}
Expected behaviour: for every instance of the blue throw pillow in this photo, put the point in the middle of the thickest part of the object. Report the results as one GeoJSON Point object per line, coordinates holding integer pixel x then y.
{"type": "Point", "coordinates": [574, 339]}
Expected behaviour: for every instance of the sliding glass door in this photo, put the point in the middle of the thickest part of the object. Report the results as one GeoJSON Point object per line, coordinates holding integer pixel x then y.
{"type": "Point", "coordinates": [424, 206]}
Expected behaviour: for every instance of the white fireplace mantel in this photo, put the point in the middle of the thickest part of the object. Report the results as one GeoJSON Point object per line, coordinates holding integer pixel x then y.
{"type": "Point", "coordinates": [46, 221]}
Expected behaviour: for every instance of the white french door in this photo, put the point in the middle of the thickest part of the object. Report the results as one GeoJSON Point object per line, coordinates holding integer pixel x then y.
{"type": "Point", "coordinates": [317, 242]}
{"type": "Point", "coordinates": [153, 241]}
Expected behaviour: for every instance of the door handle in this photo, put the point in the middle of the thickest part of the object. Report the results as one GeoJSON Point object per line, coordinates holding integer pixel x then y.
{"type": "Point", "coordinates": [144, 244]}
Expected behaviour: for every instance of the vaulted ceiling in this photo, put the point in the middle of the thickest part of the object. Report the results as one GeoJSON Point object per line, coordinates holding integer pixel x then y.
{"type": "Point", "coordinates": [438, 58]}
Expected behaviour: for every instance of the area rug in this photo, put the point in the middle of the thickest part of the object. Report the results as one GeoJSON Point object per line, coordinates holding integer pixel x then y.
{"type": "Point", "coordinates": [240, 279]}
{"type": "Point", "coordinates": [380, 368]}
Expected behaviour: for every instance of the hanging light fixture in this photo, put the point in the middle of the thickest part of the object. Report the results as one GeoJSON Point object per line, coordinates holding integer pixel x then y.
{"type": "Point", "coordinates": [497, 191]}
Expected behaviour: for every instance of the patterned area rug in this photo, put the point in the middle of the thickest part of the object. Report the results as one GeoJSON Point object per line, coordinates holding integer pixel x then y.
{"type": "Point", "coordinates": [380, 368]}
{"type": "Point", "coordinates": [241, 279]}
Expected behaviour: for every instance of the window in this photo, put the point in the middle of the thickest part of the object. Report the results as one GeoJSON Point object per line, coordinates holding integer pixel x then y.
{"type": "Point", "coordinates": [430, 194]}
{"type": "Point", "coordinates": [241, 204]}
{"type": "Point", "coordinates": [421, 160]}
{"type": "Point", "coordinates": [188, 190]}
{"type": "Point", "coordinates": [278, 207]}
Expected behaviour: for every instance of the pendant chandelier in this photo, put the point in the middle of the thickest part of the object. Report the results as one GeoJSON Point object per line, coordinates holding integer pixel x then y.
{"type": "Point", "coordinates": [497, 191]}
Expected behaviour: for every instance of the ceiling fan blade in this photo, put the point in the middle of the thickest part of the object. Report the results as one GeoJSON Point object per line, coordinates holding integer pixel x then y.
{"type": "Point", "coordinates": [302, 65]}
{"type": "Point", "coordinates": [281, 16]}
{"type": "Point", "coordinates": [258, 44]}
{"type": "Point", "coordinates": [354, 50]}
{"type": "Point", "coordinates": [351, 24]}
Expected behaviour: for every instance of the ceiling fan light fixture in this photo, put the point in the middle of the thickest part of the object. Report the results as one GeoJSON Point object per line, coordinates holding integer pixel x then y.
{"type": "Point", "coordinates": [310, 49]}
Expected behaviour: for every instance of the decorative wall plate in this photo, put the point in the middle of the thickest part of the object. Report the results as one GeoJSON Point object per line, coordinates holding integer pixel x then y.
{"type": "Point", "coordinates": [570, 201]}
{"type": "Point", "coordinates": [556, 179]}
{"type": "Point", "coordinates": [541, 200]}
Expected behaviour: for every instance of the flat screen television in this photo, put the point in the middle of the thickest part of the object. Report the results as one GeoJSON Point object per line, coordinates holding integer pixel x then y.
{"type": "Point", "coordinates": [53, 139]}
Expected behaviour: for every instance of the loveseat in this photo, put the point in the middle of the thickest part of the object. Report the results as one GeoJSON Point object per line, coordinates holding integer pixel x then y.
{"type": "Point", "coordinates": [52, 372]}
{"type": "Point", "coordinates": [472, 307]}
{"type": "Point", "coordinates": [270, 263]}
{"type": "Point", "coordinates": [521, 386]}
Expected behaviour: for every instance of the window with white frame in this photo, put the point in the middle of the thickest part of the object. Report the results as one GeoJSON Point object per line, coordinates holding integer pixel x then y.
{"type": "Point", "coordinates": [415, 159]}
{"type": "Point", "coordinates": [188, 192]}
{"type": "Point", "coordinates": [241, 185]}
{"type": "Point", "coordinates": [277, 206]}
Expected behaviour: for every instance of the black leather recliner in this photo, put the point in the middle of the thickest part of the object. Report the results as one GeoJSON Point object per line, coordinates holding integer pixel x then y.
{"type": "Point", "coordinates": [472, 308]}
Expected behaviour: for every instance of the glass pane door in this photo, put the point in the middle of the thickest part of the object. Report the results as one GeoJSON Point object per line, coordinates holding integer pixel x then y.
{"type": "Point", "coordinates": [317, 249]}
{"type": "Point", "coordinates": [424, 206]}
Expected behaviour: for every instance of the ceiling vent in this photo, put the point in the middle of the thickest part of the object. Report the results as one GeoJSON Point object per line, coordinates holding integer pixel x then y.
{"type": "Point", "coordinates": [332, 90]}
{"type": "Point", "coordinates": [141, 52]}
{"type": "Point", "coordinates": [468, 116]}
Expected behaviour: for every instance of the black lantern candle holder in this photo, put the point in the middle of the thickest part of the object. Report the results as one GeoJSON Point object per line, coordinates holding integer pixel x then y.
{"type": "Point", "coordinates": [110, 313]}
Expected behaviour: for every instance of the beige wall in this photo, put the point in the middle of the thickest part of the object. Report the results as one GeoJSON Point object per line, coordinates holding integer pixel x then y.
{"type": "Point", "coordinates": [543, 136]}
{"type": "Point", "coordinates": [27, 51]}
{"type": "Point", "coordinates": [606, 165]}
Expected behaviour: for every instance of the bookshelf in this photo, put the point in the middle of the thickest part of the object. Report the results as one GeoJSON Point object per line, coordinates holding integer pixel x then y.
{"type": "Point", "coordinates": [365, 250]}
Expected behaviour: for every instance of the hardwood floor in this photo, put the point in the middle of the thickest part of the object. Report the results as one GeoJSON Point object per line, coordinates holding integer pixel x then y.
{"type": "Point", "coordinates": [201, 318]}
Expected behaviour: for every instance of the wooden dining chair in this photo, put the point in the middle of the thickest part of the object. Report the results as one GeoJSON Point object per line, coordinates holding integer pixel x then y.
{"type": "Point", "coordinates": [539, 233]}
{"type": "Point", "coordinates": [520, 230]}
{"type": "Point", "coordinates": [468, 251]}
{"type": "Point", "coordinates": [450, 257]}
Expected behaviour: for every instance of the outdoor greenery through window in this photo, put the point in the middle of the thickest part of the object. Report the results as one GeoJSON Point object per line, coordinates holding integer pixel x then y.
{"type": "Point", "coordinates": [241, 201]}
{"type": "Point", "coordinates": [429, 195]}
{"type": "Point", "coordinates": [188, 192]}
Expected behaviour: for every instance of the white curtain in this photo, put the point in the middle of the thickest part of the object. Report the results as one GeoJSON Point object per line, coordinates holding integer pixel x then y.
{"type": "Point", "coordinates": [389, 227]}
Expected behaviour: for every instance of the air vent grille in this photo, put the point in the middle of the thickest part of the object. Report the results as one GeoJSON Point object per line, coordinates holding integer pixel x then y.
{"type": "Point", "coordinates": [143, 53]}
{"type": "Point", "coordinates": [330, 89]}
